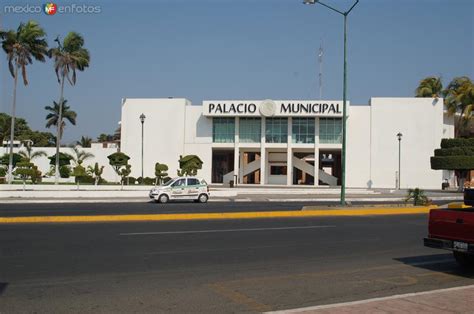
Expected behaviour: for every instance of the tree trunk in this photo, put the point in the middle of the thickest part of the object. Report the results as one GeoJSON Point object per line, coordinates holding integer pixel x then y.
{"type": "Point", "coordinates": [58, 132]}
{"type": "Point", "coordinates": [12, 128]}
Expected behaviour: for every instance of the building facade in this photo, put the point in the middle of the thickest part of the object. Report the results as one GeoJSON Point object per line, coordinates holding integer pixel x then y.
{"type": "Point", "coordinates": [290, 142]}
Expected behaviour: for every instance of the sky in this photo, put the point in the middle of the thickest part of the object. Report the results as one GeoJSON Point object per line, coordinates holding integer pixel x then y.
{"type": "Point", "coordinates": [240, 49]}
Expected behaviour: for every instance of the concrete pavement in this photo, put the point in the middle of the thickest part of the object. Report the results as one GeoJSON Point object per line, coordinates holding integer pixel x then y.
{"type": "Point", "coordinates": [450, 300]}
{"type": "Point", "coordinates": [109, 194]}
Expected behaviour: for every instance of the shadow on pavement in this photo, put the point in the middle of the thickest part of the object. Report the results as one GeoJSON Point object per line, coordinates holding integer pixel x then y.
{"type": "Point", "coordinates": [444, 263]}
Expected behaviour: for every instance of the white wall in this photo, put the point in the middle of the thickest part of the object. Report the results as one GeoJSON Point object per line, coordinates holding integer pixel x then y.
{"type": "Point", "coordinates": [373, 146]}
{"type": "Point", "coordinates": [198, 139]}
{"type": "Point", "coordinates": [358, 154]}
{"type": "Point", "coordinates": [163, 133]}
{"type": "Point", "coordinates": [100, 156]}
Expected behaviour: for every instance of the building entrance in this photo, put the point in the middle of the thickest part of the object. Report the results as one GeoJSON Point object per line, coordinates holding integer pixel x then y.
{"type": "Point", "coordinates": [222, 164]}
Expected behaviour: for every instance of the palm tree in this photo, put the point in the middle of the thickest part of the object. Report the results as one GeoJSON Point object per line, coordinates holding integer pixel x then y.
{"type": "Point", "coordinates": [53, 117]}
{"type": "Point", "coordinates": [459, 99]}
{"type": "Point", "coordinates": [84, 142]}
{"type": "Point", "coordinates": [28, 155]}
{"type": "Point", "coordinates": [80, 156]}
{"type": "Point", "coordinates": [430, 87]}
{"type": "Point", "coordinates": [22, 46]}
{"type": "Point", "coordinates": [68, 57]}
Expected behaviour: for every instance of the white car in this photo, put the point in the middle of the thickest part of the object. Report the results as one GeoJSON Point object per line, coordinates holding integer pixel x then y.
{"type": "Point", "coordinates": [181, 188]}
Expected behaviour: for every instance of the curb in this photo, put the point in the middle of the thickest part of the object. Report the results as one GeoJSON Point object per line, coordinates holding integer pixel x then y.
{"type": "Point", "coordinates": [212, 200]}
{"type": "Point", "coordinates": [217, 216]}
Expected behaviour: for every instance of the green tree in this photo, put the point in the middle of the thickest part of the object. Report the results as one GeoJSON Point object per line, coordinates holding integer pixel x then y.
{"type": "Point", "coordinates": [5, 159]}
{"type": "Point", "coordinates": [25, 170]}
{"type": "Point", "coordinates": [79, 172]}
{"type": "Point", "coordinates": [80, 156]}
{"type": "Point", "coordinates": [160, 172]}
{"type": "Point", "coordinates": [119, 162]}
{"type": "Point", "coordinates": [68, 57]}
{"type": "Point", "coordinates": [459, 99]}
{"type": "Point", "coordinates": [105, 138]}
{"type": "Point", "coordinates": [189, 164]}
{"type": "Point", "coordinates": [429, 87]}
{"type": "Point", "coordinates": [24, 133]}
{"type": "Point", "coordinates": [95, 172]}
{"type": "Point", "coordinates": [455, 154]}
{"type": "Point", "coordinates": [52, 117]}
{"type": "Point", "coordinates": [85, 141]}
{"type": "Point", "coordinates": [28, 155]}
{"type": "Point", "coordinates": [64, 162]}
{"type": "Point", "coordinates": [22, 46]}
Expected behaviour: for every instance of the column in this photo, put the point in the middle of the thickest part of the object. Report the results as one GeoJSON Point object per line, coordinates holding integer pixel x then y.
{"type": "Point", "coordinates": [289, 154]}
{"type": "Point", "coordinates": [316, 151]}
{"type": "Point", "coordinates": [236, 151]}
{"type": "Point", "coordinates": [263, 154]}
{"type": "Point", "coordinates": [241, 169]}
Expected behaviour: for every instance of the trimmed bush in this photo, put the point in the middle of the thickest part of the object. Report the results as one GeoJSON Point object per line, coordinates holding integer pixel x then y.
{"type": "Point", "coordinates": [149, 181]}
{"type": "Point", "coordinates": [453, 151]}
{"type": "Point", "coordinates": [452, 162]}
{"type": "Point", "coordinates": [457, 142]}
{"type": "Point", "coordinates": [65, 171]}
{"type": "Point", "coordinates": [132, 180]}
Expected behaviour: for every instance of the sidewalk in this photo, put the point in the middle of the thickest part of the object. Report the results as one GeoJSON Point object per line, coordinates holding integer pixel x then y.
{"type": "Point", "coordinates": [451, 300]}
{"type": "Point", "coordinates": [110, 194]}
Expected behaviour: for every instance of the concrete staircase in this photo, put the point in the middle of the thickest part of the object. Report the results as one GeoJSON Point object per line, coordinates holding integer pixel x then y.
{"type": "Point", "coordinates": [309, 169]}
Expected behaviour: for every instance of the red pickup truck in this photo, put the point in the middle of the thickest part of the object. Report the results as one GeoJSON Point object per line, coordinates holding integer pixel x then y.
{"type": "Point", "coordinates": [453, 229]}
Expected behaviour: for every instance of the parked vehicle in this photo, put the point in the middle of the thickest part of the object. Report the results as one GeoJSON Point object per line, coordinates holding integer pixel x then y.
{"type": "Point", "coordinates": [453, 229]}
{"type": "Point", "coordinates": [181, 188]}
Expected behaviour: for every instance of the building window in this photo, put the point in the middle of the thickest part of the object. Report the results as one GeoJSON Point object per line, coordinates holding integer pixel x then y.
{"type": "Point", "coordinates": [303, 130]}
{"type": "Point", "coordinates": [223, 130]}
{"type": "Point", "coordinates": [276, 130]}
{"type": "Point", "coordinates": [278, 170]}
{"type": "Point", "coordinates": [250, 130]}
{"type": "Point", "coordinates": [330, 130]}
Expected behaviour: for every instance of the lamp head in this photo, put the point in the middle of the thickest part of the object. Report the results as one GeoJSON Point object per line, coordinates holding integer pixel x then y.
{"type": "Point", "coordinates": [310, 1]}
{"type": "Point", "coordinates": [142, 118]}
{"type": "Point", "coordinates": [399, 135]}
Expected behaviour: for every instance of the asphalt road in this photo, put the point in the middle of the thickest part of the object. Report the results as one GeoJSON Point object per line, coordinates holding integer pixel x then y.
{"type": "Point", "coordinates": [226, 266]}
{"type": "Point", "coordinates": [149, 207]}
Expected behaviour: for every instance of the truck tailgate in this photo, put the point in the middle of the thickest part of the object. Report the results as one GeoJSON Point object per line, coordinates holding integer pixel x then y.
{"type": "Point", "coordinates": [452, 224]}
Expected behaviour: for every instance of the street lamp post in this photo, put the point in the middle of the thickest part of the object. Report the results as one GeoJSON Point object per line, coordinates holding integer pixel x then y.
{"type": "Point", "coordinates": [142, 120]}
{"type": "Point", "coordinates": [344, 106]}
{"type": "Point", "coordinates": [399, 136]}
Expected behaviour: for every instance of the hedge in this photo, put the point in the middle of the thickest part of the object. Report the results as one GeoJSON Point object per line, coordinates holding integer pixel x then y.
{"type": "Point", "coordinates": [457, 142]}
{"type": "Point", "coordinates": [455, 151]}
{"type": "Point", "coordinates": [452, 162]}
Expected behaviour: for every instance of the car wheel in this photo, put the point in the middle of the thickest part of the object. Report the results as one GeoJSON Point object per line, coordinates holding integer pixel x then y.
{"type": "Point", "coordinates": [163, 198]}
{"type": "Point", "coordinates": [464, 260]}
{"type": "Point", "coordinates": [203, 198]}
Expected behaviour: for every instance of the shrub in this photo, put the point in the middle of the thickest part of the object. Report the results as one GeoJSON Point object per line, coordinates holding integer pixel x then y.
{"type": "Point", "coordinates": [131, 180]}
{"type": "Point", "coordinates": [87, 179]}
{"type": "Point", "coordinates": [418, 196]}
{"type": "Point", "coordinates": [65, 171]}
{"type": "Point", "coordinates": [166, 179]}
{"type": "Point", "coordinates": [452, 162]}
{"type": "Point", "coordinates": [149, 181]}
{"type": "Point", "coordinates": [457, 142]}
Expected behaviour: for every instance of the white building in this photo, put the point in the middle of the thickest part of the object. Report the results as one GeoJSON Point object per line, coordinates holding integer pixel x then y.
{"type": "Point", "coordinates": [279, 142]}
